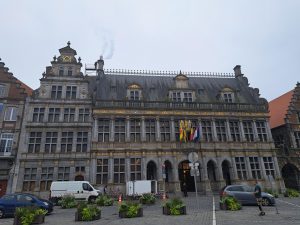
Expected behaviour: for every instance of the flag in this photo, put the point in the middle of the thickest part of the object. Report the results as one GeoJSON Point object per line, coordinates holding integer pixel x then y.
{"type": "Point", "coordinates": [197, 134]}
{"type": "Point", "coordinates": [191, 137]}
{"type": "Point", "coordinates": [180, 134]}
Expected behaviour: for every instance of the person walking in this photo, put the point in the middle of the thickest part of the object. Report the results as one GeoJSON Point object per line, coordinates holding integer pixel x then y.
{"type": "Point", "coordinates": [184, 190]}
{"type": "Point", "coordinates": [257, 194]}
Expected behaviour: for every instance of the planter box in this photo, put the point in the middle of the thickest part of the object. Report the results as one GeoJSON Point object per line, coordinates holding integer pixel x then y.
{"type": "Point", "coordinates": [123, 214]}
{"type": "Point", "coordinates": [37, 220]}
{"type": "Point", "coordinates": [78, 216]}
{"type": "Point", "coordinates": [223, 206]}
{"type": "Point", "coordinates": [167, 211]}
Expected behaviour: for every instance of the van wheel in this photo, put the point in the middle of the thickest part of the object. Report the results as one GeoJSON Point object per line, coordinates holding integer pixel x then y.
{"type": "Point", "coordinates": [92, 199]}
{"type": "Point", "coordinates": [1, 213]}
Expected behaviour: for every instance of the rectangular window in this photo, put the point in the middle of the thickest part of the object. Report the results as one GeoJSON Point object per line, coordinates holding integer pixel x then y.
{"type": "Point", "coordinates": [206, 130]}
{"type": "Point", "coordinates": [29, 179]}
{"type": "Point", "coordinates": [46, 178]}
{"type": "Point", "coordinates": [51, 142]}
{"type": "Point", "coordinates": [261, 130]}
{"type": "Point", "coordinates": [241, 168]}
{"type": "Point", "coordinates": [53, 116]}
{"type": "Point", "coordinates": [228, 97]}
{"type": "Point", "coordinates": [11, 114]}
{"type": "Point", "coordinates": [248, 130]}
{"type": "Point", "coordinates": [82, 141]}
{"type": "Point", "coordinates": [150, 130]}
{"type": "Point", "coordinates": [2, 90]}
{"type": "Point", "coordinates": [135, 169]}
{"type": "Point", "coordinates": [135, 130]}
{"type": "Point", "coordinates": [297, 138]}
{"type": "Point", "coordinates": [187, 97]}
{"type": "Point", "coordinates": [255, 168]}
{"type": "Point", "coordinates": [38, 115]}
{"type": "Point", "coordinates": [69, 115]}
{"type": "Point", "coordinates": [61, 71]}
{"type": "Point", "coordinates": [70, 71]}
{"type": "Point", "coordinates": [269, 166]}
{"type": "Point", "coordinates": [6, 142]}
{"type": "Point", "coordinates": [235, 130]}
{"type": "Point", "coordinates": [120, 130]}
{"type": "Point", "coordinates": [71, 92]}
{"type": "Point", "coordinates": [103, 130]}
{"type": "Point", "coordinates": [119, 171]}
{"type": "Point", "coordinates": [66, 141]}
{"type": "Point", "coordinates": [63, 174]}
{"type": "Point", "coordinates": [80, 169]}
{"type": "Point", "coordinates": [221, 130]}
{"type": "Point", "coordinates": [84, 115]}
{"type": "Point", "coordinates": [34, 144]}
{"type": "Point", "coordinates": [102, 171]}
{"type": "Point", "coordinates": [134, 95]}
{"type": "Point", "coordinates": [176, 97]}
{"type": "Point", "coordinates": [165, 131]}
{"type": "Point", "coordinates": [56, 92]}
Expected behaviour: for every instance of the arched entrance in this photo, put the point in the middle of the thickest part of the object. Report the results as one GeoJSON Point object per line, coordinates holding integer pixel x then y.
{"type": "Point", "coordinates": [79, 178]}
{"type": "Point", "coordinates": [168, 175]}
{"type": "Point", "coordinates": [151, 171]}
{"type": "Point", "coordinates": [184, 173]}
{"type": "Point", "coordinates": [291, 176]}
{"type": "Point", "coordinates": [226, 172]}
{"type": "Point", "coordinates": [212, 175]}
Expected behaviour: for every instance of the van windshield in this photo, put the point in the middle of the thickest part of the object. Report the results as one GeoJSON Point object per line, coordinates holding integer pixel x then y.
{"type": "Point", "coordinates": [87, 187]}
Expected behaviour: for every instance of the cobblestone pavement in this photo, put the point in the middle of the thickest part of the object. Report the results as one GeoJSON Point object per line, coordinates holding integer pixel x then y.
{"type": "Point", "coordinates": [288, 214]}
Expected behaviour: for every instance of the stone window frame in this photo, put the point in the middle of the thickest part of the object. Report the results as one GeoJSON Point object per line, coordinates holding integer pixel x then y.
{"type": "Point", "coordinates": [227, 95]}
{"type": "Point", "coordinates": [80, 169]}
{"type": "Point", "coordinates": [261, 130]}
{"type": "Point", "coordinates": [69, 115]}
{"type": "Point", "coordinates": [235, 130]}
{"type": "Point", "coordinates": [119, 170]}
{"type": "Point", "coordinates": [83, 115]}
{"type": "Point", "coordinates": [63, 173]}
{"type": "Point", "coordinates": [207, 130]}
{"type": "Point", "coordinates": [71, 92]}
{"type": "Point", "coordinates": [11, 113]}
{"type": "Point", "coordinates": [150, 129]}
{"type": "Point", "coordinates": [61, 71]}
{"type": "Point", "coordinates": [269, 165]}
{"type": "Point", "coordinates": [46, 178]}
{"type": "Point", "coordinates": [102, 171]}
{"type": "Point", "coordinates": [134, 92]}
{"type": "Point", "coordinates": [70, 71]}
{"type": "Point", "coordinates": [103, 130]}
{"type": "Point", "coordinates": [53, 115]}
{"type": "Point", "coordinates": [82, 141]}
{"type": "Point", "coordinates": [176, 96]}
{"type": "Point", "coordinates": [6, 142]}
{"type": "Point", "coordinates": [38, 114]}
{"type": "Point", "coordinates": [66, 144]}
{"type": "Point", "coordinates": [181, 96]}
{"type": "Point", "coordinates": [56, 92]}
{"type": "Point", "coordinates": [29, 179]}
{"type": "Point", "coordinates": [135, 169]}
{"type": "Point", "coordinates": [221, 130]}
{"type": "Point", "coordinates": [248, 130]}
{"type": "Point", "coordinates": [120, 130]}
{"type": "Point", "coordinates": [51, 142]}
{"type": "Point", "coordinates": [297, 138]}
{"type": "Point", "coordinates": [165, 129]}
{"type": "Point", "coordinates": [135, 129]}
{"type": "Point", "coordinates": [255, 167]}
{"type": "Point", "coordinates": [2, 90]}
{"type": "Point", "coordinates": [35, 141]}
{"type": "Point", "coordinates": [187, 96]}
{"type": "Point", "coordinates": [240, 163]}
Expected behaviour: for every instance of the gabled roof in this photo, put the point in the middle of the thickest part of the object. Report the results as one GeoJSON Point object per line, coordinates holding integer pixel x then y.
{"type": "Point", "coordinates": [278, 109]}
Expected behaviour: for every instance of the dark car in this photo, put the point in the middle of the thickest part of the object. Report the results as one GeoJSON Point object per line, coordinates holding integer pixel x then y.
{"type": "Point", "coordinates": [245, 195]}
{"type": "Point", "coordinates": [9, 203]}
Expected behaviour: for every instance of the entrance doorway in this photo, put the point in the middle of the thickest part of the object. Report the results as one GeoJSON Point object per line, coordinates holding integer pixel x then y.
{"type": "Point", "coordinates": [3, 186]}
{"type": "Point", "coordinates": [226, 172]}
{"type": "Point", "coordinates": [184, 173]}
{"type": "Point", "coordinates": [79, 178]}
{"type": "Point", "coordinates": [151, 171]}
{"type": "Point", "coordinates": [291, 176]}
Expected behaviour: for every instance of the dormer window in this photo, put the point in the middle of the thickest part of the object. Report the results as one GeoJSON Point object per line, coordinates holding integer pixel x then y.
{"type": "Point", "coordinates": [70, 71]}
{"type": "Point", "coordinates": [134, 95]}
{"type": "Point", "coordinates": [187, 97]}
{"type": "Point", "coordinates": [134, 92]}
{"type": "Point", "coordinates": [227, 95]}
{"type": "Point", "coordinates": [61, 71]}
{"type": "Point", "coordinates": [176, 97]}
{"type": "Point", "coordinates": [181, 96]}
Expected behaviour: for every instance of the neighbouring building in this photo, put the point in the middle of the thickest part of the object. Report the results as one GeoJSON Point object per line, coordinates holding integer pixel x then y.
{"type": "Point", "coordinates": [12, 98]}
{"type": "Point", "coordinates": [114, 126]}
{"type": "Point", "coordinates": [285, 127]}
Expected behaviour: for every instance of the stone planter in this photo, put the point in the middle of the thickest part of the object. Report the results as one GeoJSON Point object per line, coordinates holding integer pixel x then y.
{"type": "Point", "coordinates": [167, 211]}
{"type": "Point", "coordinates": [39, 219]}
{"type": "Point", "coordinates": [78, 216]}
{"type": "Point", "coordinates": [123, 214]}
{"type": "Point", "coordinates": [223, 206]}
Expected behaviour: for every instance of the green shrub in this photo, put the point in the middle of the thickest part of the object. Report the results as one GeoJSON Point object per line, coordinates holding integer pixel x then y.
{"type": "Point", "coordinates": [270, 191]}
{"type": "Point", "coordinates": [147, 198]}
{"type": "Point", "coordinates": [291, 193]}
{"type": "Point", "coordinates": [104, 200]}
{"type": "Point", "coordinates": [88, 212]}
{"type": "Point", "coordinates": [67, 202]}
{"type": "Point", "coordinates": [28, 214]}
{"type": "Point", "coordinates": [131, 209]}
{"type": "Point", "coordinates": [231, 203]}
{"type": "Point", "coordinates": [175, 205]}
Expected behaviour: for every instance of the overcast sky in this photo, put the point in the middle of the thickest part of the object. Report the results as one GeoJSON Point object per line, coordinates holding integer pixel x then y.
{"type": "Point", "coordinates": [263, 36]}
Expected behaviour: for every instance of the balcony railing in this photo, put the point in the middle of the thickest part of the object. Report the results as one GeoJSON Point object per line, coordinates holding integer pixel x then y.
{"type": "Point", "coordinates": [218, 107]}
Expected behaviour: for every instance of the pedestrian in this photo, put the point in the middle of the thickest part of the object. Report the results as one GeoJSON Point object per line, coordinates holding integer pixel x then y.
{"type": "Point", "coordinates": [184, 190]}
{"type": "Point", "coordinates": [257, 194]}
{"type": "Point", "coordinates": [105, 189]}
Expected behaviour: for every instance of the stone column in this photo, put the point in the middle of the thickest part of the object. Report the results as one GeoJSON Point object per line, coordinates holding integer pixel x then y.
{"type": "Point", "coordinates": [263, 169]}
{"type": "Point", "coordinates": [58, 144]}
{"type": "Point", "coordinates": [214, 130]}
{"type": "Point", "coordinates": [110, 170]}
{"type": "Point", "coordinates": [127, 129]}
{"type": "Point", "coordinates": [229, 137]}
{"type": "Point", "coordinates": [158, 130]}
{"type": "Point", "coordinates": [248, 167]}
{"type": "Point", "coordinates": [95, 130]}
{"type": "Point", "coordinates": [173, 136]}
{"type": "Point", "coordinates": [127, 169]}
{"type": "Point", "coordinates": [243, 138]}
{"type": "Point", "coordinates": [276, 166]}
{"type": "Point", "coordinates": [93, 169]}
{"type": "Point", "coordinates": [74, 141]}
{"type": "Point", "coordinates": [269, 133]}
{"type": "Point", "coordinates": [143, 129]}
{"type": "Point", "coordinates": [143, 168]}
{"type": "Point", "coordinates": [256, 138]}
{"type": "Point", "coordinates": [293, 139]}
{"type": "Point", "coordinates": [112, 129]}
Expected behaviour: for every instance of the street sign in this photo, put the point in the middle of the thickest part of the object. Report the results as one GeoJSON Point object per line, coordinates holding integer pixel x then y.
{"type": "Point", "coordinates": [193, 157]}
{"type": "Point", "coordinates": [195, 172]}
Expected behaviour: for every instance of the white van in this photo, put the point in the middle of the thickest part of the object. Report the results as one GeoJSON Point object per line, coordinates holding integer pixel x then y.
{"type": "Point", "coordinates": [81, 190]}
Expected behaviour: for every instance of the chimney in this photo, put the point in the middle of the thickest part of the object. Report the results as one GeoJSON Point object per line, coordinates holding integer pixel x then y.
{"type": "Point", "coordinates": [237, 71]}
{"type": "Point", "coordinates": [99, 64]}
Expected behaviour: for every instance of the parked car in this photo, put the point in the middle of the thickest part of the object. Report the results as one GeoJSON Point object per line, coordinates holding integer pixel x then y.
{"type": "Point", "coordinates": [9, 203]}
{"type": "Point", "coordinates": [245, 195]}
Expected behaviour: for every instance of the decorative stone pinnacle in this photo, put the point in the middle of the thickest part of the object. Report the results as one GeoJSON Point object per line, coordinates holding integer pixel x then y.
{"type": "Point", "coordinates": [79, 59]}
{"type": "Point", "coordinates": [54, 58]}
{"type": "Point", "coordinates": [69, 43]}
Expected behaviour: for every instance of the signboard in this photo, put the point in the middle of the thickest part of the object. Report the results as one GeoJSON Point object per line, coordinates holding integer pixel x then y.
{"type": "Point", "coordinates": [193, 157]}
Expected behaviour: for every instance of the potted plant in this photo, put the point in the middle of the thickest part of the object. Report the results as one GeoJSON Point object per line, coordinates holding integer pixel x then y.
{"type": "Point", "coordinates": [87, 212]}
{"type": "Point", "coordinates": [223, 203]}
{"type": "Point", "coordinates": [174, 206]}
{"type": "Point", "coordinates": [291, 193]}
{"type": "Point", "coordinates": [147, 199]}
{"type": "Point", "coordinates": [229, 203]}
{"type": "Point", "coordinates": [104, 200]}
{"type": "Point", "coordinates": [29, 215]}
{"type": "Point", "coordinates": [130, 210]}
{"type": "Point", "coordinates": [67, 202]}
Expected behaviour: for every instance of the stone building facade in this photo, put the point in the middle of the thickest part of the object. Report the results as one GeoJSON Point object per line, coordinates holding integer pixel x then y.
{"type": "Point", "coordinates": [134, 127]}
{"type": "Point", "coordinates": [12, 98]}
{"type": "Point", "coordinates": [285, 127]}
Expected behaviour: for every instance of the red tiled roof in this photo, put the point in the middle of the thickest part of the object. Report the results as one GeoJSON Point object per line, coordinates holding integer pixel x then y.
{"type": "Point", "coordinates": [278, 109]}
